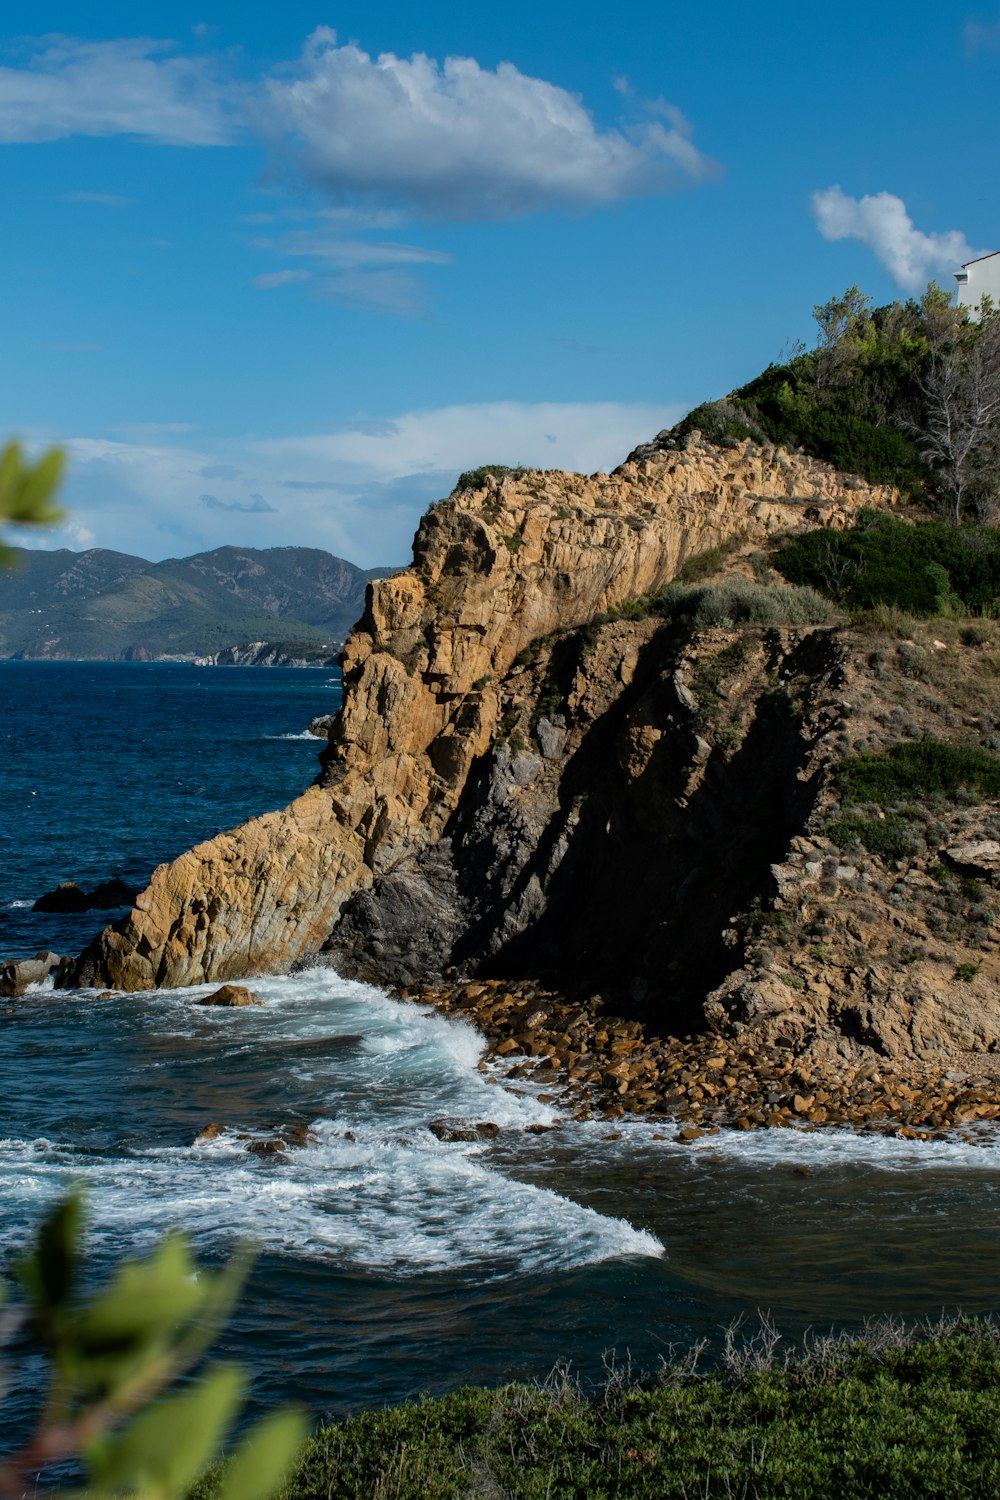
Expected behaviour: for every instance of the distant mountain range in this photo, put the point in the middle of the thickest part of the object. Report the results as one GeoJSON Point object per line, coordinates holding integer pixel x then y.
{"type": "Point", "coordinates": [103, 605]}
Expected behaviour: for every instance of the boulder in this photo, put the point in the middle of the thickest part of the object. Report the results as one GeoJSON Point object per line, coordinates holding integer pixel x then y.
{"type": "Point", "coordinates": [17, 974]}
{"type": "Point", "coordinates": [231, 994]}
{"type": "Point", "coordinates": [461, 1130]}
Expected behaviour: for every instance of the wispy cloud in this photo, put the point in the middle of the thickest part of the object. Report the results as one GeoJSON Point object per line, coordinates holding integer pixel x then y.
{"type": "Point", "coordinates": [454, 140]}
{"type": "Point", "coordinates": [255, 506]}
{"type": "Point", "coordinates": [358, 490]}
{"type": "Point", "coordinates": [154, 429]}
{"type": "Point", "coordinates": [881, 222]}
{"type": "Point", "coordinates": [123, 87]}
{"type": "Point", "coordinates": [270, 279]}
{"type": "Point", "coordinates": [356, 272]}
{"type": "Point", "coordinates": [980, 37]}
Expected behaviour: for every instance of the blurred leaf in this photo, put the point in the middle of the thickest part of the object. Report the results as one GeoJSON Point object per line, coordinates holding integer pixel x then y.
{"type": "Point", "coordinates": [26, 490]}
{"type": "Point", "coordinates": [263, 1460]}
{"type": "Point", "coordinates": [146, 1299]}
{"type": "Point", "coordinates": [161, 1453]}
{"type": "Point", "coordinates": [49, 1274]}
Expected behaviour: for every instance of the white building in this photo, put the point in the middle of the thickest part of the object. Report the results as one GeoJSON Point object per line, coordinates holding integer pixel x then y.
{"type": "Point", "coordinates": [979, 278]}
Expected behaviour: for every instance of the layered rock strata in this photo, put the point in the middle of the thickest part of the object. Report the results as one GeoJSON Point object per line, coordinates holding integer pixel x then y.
{"type": "Point", "coordinates": [494, 570]}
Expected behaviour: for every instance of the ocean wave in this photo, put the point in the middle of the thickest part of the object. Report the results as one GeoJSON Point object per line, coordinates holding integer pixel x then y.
{"type": "Point", "coordinates": [377, 1189]}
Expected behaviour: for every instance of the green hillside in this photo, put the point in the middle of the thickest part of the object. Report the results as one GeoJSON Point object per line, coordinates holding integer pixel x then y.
{"type": "Point", "coordinates": [105, 605]}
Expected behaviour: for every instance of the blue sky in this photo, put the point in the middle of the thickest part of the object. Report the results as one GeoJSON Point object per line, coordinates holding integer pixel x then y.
{"type": "Point", "coordinates": [276, 275]}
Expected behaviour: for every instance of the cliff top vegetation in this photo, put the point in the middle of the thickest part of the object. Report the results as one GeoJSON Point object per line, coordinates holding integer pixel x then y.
{"type": "Point", "coordinates": [906, 394]}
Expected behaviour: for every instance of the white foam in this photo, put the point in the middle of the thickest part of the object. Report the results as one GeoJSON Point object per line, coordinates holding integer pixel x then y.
{"type": "Point", "coordinates": [378, 1189]}
{"type": "Point", "coordinates": [20, 905]}
{"type": "Point", "coordinates": [830, 1147]}
{"type": "Point", "coordinates": [359, 1197]}
{"type": "Point", "coordinates": [305, 734]}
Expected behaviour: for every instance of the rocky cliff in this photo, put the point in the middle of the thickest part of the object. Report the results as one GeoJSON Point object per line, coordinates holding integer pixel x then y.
{"type": "Point", "coordinates": [426, 718]}
{"type": "Point", "coordinates": [549, 767]}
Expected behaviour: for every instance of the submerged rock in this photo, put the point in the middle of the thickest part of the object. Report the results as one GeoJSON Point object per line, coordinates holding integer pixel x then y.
{"type": "Point", "coordinates": [462, 1130]}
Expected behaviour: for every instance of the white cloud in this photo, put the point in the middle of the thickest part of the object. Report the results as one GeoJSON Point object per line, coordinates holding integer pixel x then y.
{"type": "Point", "coordinates": [881, 222]}
{"type": "Point", "coordinates": [456, 140]}
{"type": "Point", "coordinates": [381, 136]}
{"type": "Point", "coordinates": [122, 87]}
{"type": "Point", "coordinates": [358, 491]}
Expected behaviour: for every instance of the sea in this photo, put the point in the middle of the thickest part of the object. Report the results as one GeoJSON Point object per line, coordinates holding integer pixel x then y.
{"type": "Point", "coordinates": [391, 1263]}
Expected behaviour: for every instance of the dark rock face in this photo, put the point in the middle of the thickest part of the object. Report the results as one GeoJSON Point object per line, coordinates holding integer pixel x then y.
{"type": "Point", "coordinates": [406, 926]}
{"type": "Point", "coordinates": [608, 852]}
{"type": "Point", "coordinates": [68, 896]}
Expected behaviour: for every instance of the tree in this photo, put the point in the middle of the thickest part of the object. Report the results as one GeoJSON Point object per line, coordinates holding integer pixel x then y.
{"type": "Point", "coordinates": [113, 1353]}
{"type": "Point", "coordinates": [27, 490]}
{"type": "Point", "coordinates": [960, 431]}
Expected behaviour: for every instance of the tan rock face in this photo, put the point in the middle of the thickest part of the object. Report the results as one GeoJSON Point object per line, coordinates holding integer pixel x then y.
{"type": "Point", "coordinates": [493, 570]}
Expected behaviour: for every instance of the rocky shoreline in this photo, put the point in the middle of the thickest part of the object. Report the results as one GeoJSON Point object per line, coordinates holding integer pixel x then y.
{"type": "Point", "coordinates": [599, 1066]}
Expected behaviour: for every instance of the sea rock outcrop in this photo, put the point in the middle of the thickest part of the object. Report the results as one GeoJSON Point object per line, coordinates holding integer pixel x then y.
{"type": "Point", "coordinates": [495, 570]}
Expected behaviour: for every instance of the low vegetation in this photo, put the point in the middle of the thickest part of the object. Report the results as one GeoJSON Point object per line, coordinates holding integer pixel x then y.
{"type": "Point", "coordinates": [907, 394]}
{"type": "Point", "coordinates": [924, 769]}
{"type": "Point", "coordinates": [930, 568]}
{"type": "Point", "coordinates": [474, 479]}
{"type": "Point", "coordinates": [883, 1414]}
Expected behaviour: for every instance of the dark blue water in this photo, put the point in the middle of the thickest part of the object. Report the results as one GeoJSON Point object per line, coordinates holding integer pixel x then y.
{"type": "Point", "coordinates": [109, 769]}
{"type": "Point", "coordinates": [390, 1262]}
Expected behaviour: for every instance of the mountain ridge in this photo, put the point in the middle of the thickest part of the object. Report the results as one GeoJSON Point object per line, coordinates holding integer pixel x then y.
{"type": "Point", "coordinates": [107, 605]}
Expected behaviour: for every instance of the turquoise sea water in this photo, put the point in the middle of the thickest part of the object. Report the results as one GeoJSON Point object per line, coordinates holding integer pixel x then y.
{"type": "Point", "coordinates": [390, 1262]}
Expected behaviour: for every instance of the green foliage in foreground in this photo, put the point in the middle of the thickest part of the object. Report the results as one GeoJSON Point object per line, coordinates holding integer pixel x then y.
{"type": "Point", "coordinates": [474, 479]}
{"type": "Point", "coordinates": [923, 768]}
{"type": "Point", "coordinates": [27, 490]}
{"type": "Point", "coordinates": [926, 569]}
{"type": "Point", "coordinates": [850, 1419]}
{"type": "Point", "coordinates": [113, 1353]}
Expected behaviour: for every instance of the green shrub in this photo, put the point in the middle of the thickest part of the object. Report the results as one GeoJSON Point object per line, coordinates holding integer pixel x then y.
{"type": "Point", "coordinates": [889, 838]}
{"type": "Point", "coordinates": [474, 479]}
{"type": "Point", "coordinates": [924, 569]}
{"type": "Point", "coordinates": [723, 423]}
{"type": "Point", "coordinates": [737, 601]}
{"type": "Point", "coordinates": [923, 768]}
{"type": "Point", "coordinates": [850, 1419]}
{"type": "Point", "coordinates": [113, 1353]}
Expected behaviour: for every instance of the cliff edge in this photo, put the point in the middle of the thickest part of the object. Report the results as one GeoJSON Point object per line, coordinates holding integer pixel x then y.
{"type": "Point", "coordinates": [428, 713]}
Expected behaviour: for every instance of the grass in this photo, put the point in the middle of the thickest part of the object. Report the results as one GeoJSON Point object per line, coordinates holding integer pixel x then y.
{"type": "Point", "coordinates": [924, 768]}
{"type": "Point", "coordinates": [889, 1414]}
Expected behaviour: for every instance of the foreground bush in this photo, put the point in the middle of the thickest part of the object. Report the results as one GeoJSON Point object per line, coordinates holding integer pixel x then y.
{"type": "Point", "coordinates": [113, 1353]}
{"type": "Point", "coordinates": [880, 1416]}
